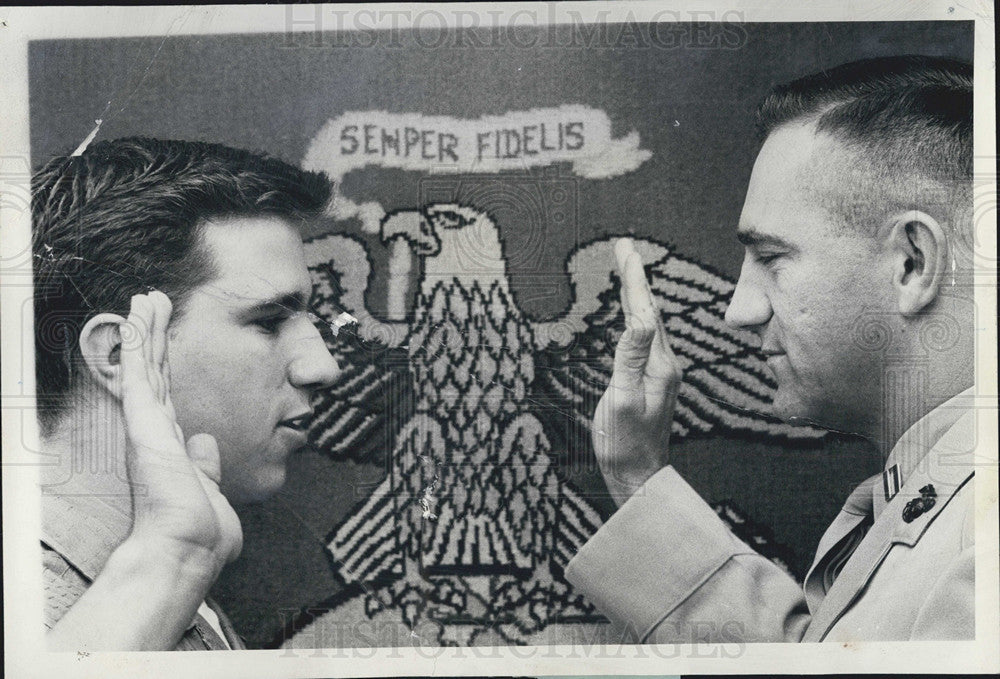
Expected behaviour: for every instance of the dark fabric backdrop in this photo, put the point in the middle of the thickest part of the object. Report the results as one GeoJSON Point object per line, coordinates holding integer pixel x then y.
{"type": "Point", "coordinates": [692, 107]}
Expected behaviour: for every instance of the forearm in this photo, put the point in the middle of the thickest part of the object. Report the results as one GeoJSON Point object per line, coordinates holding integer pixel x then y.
{"type": "Point", "coordinates": [667, 567]}
{"type": "Point", "coordinates": [143, 600]}
{"type": "Point", "coordinates": [746, 600]}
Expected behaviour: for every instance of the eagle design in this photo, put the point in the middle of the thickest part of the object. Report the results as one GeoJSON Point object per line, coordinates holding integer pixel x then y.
{"type": "Point", "coordinates": [475, 406]}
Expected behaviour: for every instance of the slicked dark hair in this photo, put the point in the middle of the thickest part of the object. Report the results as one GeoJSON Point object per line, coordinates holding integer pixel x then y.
{"type": "Point", "coordinates": [125, 217]}
{"type": "Point", "coordinates": [905, 117]}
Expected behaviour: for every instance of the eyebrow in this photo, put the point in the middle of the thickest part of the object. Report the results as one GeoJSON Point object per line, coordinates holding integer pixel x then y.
{"type": "Point", "coordinates": [753, 238]}
{"type": "Point", "coordinates": [290, 301]}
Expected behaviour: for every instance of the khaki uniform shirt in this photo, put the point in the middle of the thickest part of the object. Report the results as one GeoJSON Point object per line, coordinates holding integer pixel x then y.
{"type": "Point", "coordinates": [667, 568]}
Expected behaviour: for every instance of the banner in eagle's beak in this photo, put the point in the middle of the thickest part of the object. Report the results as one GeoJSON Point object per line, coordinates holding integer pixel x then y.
{"type": "Point", "coordinates": [516, 141]}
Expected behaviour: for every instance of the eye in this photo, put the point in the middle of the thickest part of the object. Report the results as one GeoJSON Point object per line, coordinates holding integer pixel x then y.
{"type": "Point", "coordinates": [766, 258]}
{"type": "Point", "coordinates": [270, 324]}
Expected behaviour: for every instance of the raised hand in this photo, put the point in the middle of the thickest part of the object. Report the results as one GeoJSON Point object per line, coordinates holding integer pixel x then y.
{"type": "Point", "coordinates": [183, 530]}
{"type": "Point", "coordinates": [175, 484]}
{"type": "Point", "coordinates": [631, 429]}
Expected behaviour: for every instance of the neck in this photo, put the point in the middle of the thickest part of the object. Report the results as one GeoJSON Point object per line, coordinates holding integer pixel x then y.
{"type": "Point", "coordinates": [930, 361]}
{"type": "Point", "coordinates": [88, 450]}
{"type": "Point", "coordinates": [908, 394]}
{"type": "Point", "coordinates": [899, 413]}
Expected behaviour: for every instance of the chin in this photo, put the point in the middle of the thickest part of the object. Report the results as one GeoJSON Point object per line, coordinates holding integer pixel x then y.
{"type": "Point", "coordinates": [257, 489]}
{"type": "Point", "coordinates": [824, 416]}
{"type": "Point", "coordinates": [785, 406]}
{"type": "Point", "coordinates": [793, 409]}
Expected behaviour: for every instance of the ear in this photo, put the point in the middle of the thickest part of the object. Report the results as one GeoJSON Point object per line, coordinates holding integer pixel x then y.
{"type": "Point", "coordinates": [919, 250]}
{"type": "Point", "coordinates": [100, 345]}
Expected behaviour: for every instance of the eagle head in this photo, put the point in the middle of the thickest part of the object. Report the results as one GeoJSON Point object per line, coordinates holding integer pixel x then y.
{"type": "Point", "coordinates": [413, 227]}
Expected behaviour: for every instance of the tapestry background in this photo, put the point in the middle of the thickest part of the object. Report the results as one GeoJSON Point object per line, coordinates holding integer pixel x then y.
{"type": "Point", "coordinates": [690, 105]}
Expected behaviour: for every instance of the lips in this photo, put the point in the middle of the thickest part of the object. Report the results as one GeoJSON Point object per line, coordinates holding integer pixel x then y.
{"type": "Point", "coordinates": [298, 423]}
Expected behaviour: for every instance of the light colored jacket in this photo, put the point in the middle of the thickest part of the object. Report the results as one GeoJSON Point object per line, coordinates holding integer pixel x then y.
{"type": "Point", "coordinates": [666, 568]}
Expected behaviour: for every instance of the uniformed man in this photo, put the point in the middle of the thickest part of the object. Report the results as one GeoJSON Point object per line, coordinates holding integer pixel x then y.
{"type": "Point", "coordinates": [857, 226]}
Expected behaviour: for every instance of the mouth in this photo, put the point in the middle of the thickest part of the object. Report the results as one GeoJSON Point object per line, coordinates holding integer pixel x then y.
{"type": "Point", "coordinates": [299, 423]}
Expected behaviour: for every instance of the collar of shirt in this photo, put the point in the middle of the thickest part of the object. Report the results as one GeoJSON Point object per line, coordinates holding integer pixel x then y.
{"type": "Point", "coordinates": [86, 529]}
{"type": "Point", "coordinates": [912, 447]}
{"type": "Point", "coordinates": [212, 618]}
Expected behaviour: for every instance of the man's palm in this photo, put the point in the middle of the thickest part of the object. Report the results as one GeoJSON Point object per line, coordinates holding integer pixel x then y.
{"type": "Point", "coordinates": [632, 423]}
{"type": "Point", "coordinates": [176, 496]}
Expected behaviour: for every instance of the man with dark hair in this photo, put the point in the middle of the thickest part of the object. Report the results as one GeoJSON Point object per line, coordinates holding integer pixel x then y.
{"type": "Point", "coordinates": [176, 363]}
{"type": "Point", "coordinates": [858, 230]}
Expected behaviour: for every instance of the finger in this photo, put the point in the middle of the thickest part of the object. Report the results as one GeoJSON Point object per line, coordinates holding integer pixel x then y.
{"type": "Point", "coordinates": [662, 353]}
{"type": "Point", "coordinates": [153, 341]}
{"type": "Point", "coordinates": [162, 309]}
{"type": "Point", "coordinates": [143, 311]}
{"type": "Point", "coordinates": [150, 345]}
{"type": "Point", "coordinates": [158, 340]}
{"type": "Point", "coordinates": [623, 248]}
{"type": "Point", "coordinates": [135, 379]}
{"type": "Point", "coordinates": [631, 357]}
{"type": "Point", "coordinates": [639, 295]}
{"type": "Point", "coordinates": [640, 292]}
{"type": "Point", "coordinates": [140, 319]}
{"type": "Point", "coordinates": [661, 397]}
{"type": "Point", "coordinates": [165, 373]}
{"type": "Point", "coordinates": [204, 453]}
{"type": "Point", "coordinates": [661, 344]}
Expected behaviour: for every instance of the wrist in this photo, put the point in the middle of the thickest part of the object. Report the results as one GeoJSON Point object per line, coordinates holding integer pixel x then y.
{"type": "Point", "coordinates": [162, 560]}
{"type": "Point", "coordinates": [143, 599]}
{"type": "Point", "coordinates": [624, 483]}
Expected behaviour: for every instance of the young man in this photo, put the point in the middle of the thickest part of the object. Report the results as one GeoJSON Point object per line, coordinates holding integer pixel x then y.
{"type": "Point", "coordinates": [858, 230]}
{"type": "Point", "coordinates": [175, 364]}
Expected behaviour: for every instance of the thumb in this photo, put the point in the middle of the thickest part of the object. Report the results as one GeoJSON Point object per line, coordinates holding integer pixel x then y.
{"type": "Point", "coordinates": [631, 356]}
{"type": "Point", "coordinates": [203, 451]}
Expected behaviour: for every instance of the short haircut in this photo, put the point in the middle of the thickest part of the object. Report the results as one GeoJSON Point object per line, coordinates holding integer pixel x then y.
{"type": "Point", "coordinates": [908, 119]}
{"type": "Point", "coordinates": [125, 217]}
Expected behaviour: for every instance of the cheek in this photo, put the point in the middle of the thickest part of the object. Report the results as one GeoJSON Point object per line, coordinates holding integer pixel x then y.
{"type": "Point", "coordinates": [813, 300]}
{"type": "Point", "coordinates": [827, 328]}
{"type": "Point", "coordinates": [219, 386]}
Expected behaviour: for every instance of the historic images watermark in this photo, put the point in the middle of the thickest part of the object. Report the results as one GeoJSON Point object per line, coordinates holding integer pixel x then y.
{"type": "Point", "coordinates": [370, 638]}
{"type": "Point", "coordinates": [547, 25]}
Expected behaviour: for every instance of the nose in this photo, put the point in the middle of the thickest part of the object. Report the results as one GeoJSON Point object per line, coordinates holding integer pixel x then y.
{"type": "Point", "coordinates": [312, 367]}
{"type": "Point", "coordinates": [749, 307]}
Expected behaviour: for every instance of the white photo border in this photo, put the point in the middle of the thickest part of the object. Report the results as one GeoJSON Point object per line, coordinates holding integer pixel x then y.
{"type": "Point", "coordinates": [23, 627]}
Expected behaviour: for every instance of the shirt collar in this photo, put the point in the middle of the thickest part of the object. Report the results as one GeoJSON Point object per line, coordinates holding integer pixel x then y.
{"type": "Point", "coordinates": [86, 529]}
{"type": "Point", "coordinates": [912, 447]}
